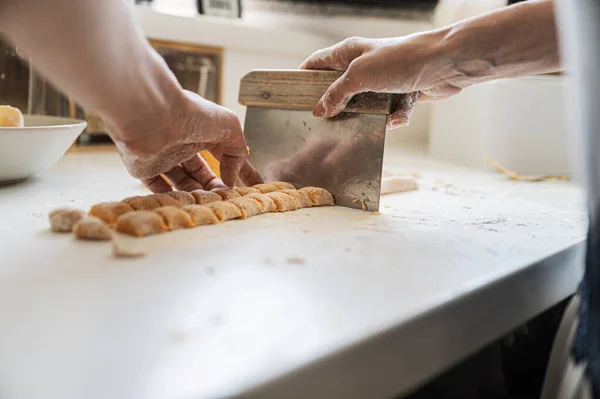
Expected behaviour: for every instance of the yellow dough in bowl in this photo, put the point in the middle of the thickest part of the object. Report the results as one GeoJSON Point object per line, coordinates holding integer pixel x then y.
{"type": "Point", "coordinates": [10, 117]}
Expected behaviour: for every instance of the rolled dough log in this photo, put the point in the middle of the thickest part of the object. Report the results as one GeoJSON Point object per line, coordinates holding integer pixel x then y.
{"type": "Point", "coordinates": [92, 228]}
{"type": "Point", "coordinates": [319, 196]}
{"type": "Point", "coordinates": [184, 198]}
{"type": "Point", "coordinates": [224, 210]}
{"type": "Point", "coordinates": [268, 205]}
{"type": "Point", "coordinates": [110, 211]}
{"type": "Point", "coordinates": [142, 203]}
{"type": "Point", "coordinates": [301, 197]}
{"type": "Point", "coordinates": [141, 223]}
{"type": "Point", "coordinates": [165, 200]}
{"type": "Point", "coordinates": [282, 185]}
{"type": "Point", "coordinates": [10, 117]}
{"type": "Point", "coordinates": [248, 206]}
{"type": "Point", "coordinates": [174, 217]}
{"type": "Point", "coordinates": [201, 215]}
{"type": "Point", "coordinates": [266, 188]}
{"type": "Point", "coordinates": [62, 220]}
{"type": "Point", "coordinates": [243, 191]}
{"type": "Point", "coordinates": [283, 202]}
{"type": "Point", "coordinates": [204, 197]}
{"type": "Point", "coordinates": [398, 184]}
{"type": "Point", "coordinates": [226, 193]}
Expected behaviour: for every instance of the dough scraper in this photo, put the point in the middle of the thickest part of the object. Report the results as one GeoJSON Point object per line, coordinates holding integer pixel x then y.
{"type": "Point", "coordinates": [343, 154]}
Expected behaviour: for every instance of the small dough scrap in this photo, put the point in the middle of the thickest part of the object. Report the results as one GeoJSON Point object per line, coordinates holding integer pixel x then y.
{"type": "Point", "coordinates": [282, 185]}
{"type": "Point", "coordinates": [175, 218]}
{"type": "Point", "coordinates": [141, 223]}
{"type": "Point", "coordinates": [398, 184]}
{"type": "Point", "coordinates": [319, 196]}
{"type": "Point", "coordinates": [226, 193]}
{"type": "Point", "coordinates": [92, 228]}
{"type": "Point", "coordinates": [224, 210]}
{"type": "Point", "coordinates": [283, 202]}
{"type": "Point", "coordinates": [201, 215]}
{"type": "Point", "coordinates": [11, 117]}
{"type": "Point", "coordinates": [165, 200]}
{"type": "Point", "coordinates": [248, 206]}
{"type": "Point", "coordinates": [268, 205]}
{"type": "Point", "coordinates": [204, 197]}
{"type": "Point", "coordinates": [110, 211]}
{"type": "Point", "coordinates": [243, 191]}
{"type": "Point", "coordinates": [183, 197]}
{"type": "Point", "coordinates": [266, 188]}
{"type": "Point", "coordinates": [62, 220]}
{"type": "Point", "coordinates": [142, 203]}
{"type": "Point", "coordinates": [301, 197]}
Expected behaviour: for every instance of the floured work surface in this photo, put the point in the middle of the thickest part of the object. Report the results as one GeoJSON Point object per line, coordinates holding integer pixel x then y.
{"type": "Point", "coordinates": [219, 310]}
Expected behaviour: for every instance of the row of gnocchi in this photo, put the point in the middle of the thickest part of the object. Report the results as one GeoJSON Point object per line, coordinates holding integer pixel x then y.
{"type": "Point", "coordinates": [157, 213]}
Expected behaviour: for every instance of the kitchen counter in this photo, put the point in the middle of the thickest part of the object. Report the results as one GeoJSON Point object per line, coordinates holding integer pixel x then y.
{"type": "Point", "coordinates": [326, 302]}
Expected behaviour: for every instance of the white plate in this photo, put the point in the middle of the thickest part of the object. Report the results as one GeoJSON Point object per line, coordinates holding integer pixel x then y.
{"type": "Point", "coordinates": [26, 151]}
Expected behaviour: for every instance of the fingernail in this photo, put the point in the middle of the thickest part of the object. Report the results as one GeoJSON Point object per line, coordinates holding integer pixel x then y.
{"type": "Point", "coordinates": [319, 110]}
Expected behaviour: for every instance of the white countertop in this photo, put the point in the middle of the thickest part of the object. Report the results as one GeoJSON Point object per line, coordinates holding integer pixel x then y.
{"type": "Point", "coordinates": [380, 304]}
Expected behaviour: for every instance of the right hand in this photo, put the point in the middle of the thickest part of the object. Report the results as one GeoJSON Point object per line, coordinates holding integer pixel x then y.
{"type": "Point", "coordinates": [406, 65]}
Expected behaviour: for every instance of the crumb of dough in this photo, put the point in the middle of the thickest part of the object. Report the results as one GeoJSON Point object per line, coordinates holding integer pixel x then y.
{"type": "Point", "coordinates": [201, 215]}
{"type": "Point", "coordinates": [183, 197]}
{"type": "Point", "coordinates": [363, 204]}
{"type": "Point", "coordinates": [11, 117]}
{"type": "Point", "coordinates": [92, 228]}
{"type": "Point", "coordinates": [296, 260]}
{"type": "Point", "coordinates": [319, 196]}
{"type": "Point", "coordinates": [110, 211]}
{"type": "Point", "coordinates": [398, 184]}
{"type": "Point", "coordinates": [301, 197]}
{"type": "Point", "coordinates": [165, 200]}
{"type": "Point", "coordinates": [248, 206]}
{"type": "Point", "coordinates": [283, 202]}
{"type": "Point", "coordinates": [62, 220]}
{"type": "Point", "coordinates": [204, 197]}
{"type": "Point", "coordinates": [224, 210]}
{"type": "Point", "coordinates": [142, 203]}
{"type": "Point", "coordinates": [226, 193]}
{"type": "Point", "coordinates": [141, 223]}
{"type": "Point", "coordinates": [243, 191]}
{"type": "Point", "coordinates": [515, 176]}
{"type": "Point", "coordinates": [266, 188]}
{"type": "Point", "coordinates": [174, 217]}
{"type": "Point", "coordinates": [282, 185]}
{"type": "Point", "coordinates": [268, 205]}
{"type": "Point", "coordinates": [122, 249]}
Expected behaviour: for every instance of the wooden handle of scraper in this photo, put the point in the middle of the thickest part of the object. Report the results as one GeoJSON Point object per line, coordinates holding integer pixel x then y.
{"type": "Point", "coordinates": [302, 89]}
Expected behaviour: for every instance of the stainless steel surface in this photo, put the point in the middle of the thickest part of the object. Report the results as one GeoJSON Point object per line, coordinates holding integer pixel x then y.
{"type": "Point", "coordinates": [343, 154]}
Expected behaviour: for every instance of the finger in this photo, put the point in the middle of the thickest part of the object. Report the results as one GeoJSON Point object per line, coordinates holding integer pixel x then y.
{"type": "Point", "coordinates": [404, 105]}
{"type": "Point", "coordinates": [249, 176]}
{"type": "Point", "coordinates": [230, 168]}
{"type": "Point", "coordinates": [181, 180]}
{"type": "Point", "coordinates": [199, 170]}
{"type": "Point", "coordinates": [337, 57]}
{"type": "Point", "coordinates": [336, 97]}
{"type": "Point", "coordinates": [157, 185]}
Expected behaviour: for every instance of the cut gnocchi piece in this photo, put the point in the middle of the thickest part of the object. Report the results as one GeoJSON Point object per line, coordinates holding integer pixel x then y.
{"type": "Point", "coordinates": [174, 217]}
{"type": "Point", "coordinates": [141, 223]}
{"type": "Point", "coordinates": [184, 198]}
{"type": "Point", "coordinates": [226, 193]}
{"type": "Point", "coordinates": [110, 211]}
{"type": "Point", "coordinates": [319, 196]}
{"type": "Point", "coordinates": [11, 117]}
{"type": "Point", "coordinates": [283, 202]}
{"type": "Point", "coordinates": [268, 205]}
{"type": "Point", "coordinates": [248, 206]}
{"type": "Point", "coordinates": [243, 191]}
{"type": "Point", "coordinates": [204, 197]}
{"type": "Point", "coordinates": [282, 185]}
{"type": "Point", "coordinates": [165, 200]}
{"type": "Point", "coordinates": [62, 220]}
{"type": "Point", "coordinates": [201, 215]}
{"type": "Point", "coordinates": [224, 210]}
{"type": "Point", "coordinates": [301, 197]}
{"type": "Point", "coordinates": [265, 188]}
{"type": "Point", "coordinates": [92, 228]}
{"type": "Point", "coordinates": [142, 203]}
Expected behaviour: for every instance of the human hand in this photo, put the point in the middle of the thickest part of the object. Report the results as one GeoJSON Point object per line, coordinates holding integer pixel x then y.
{"type": "Point", "coordinates": [166, 145]}
{"type": "Point", "coordinates": [407, 65]}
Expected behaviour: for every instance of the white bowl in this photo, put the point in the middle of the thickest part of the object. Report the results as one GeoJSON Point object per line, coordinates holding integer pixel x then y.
{"type": "Point", "coordinates": [26, 151]}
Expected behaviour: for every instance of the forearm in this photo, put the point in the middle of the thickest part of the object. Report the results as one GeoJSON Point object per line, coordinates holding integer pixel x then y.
{"type": "Point", "coordinates": [515, 41]}
{"type": "Point", "coordinates": [95, 52]}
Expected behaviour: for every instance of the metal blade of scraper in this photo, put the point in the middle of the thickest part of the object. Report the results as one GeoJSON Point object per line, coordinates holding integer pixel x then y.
{"type": "Point", "coordinates": [343, 155]}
